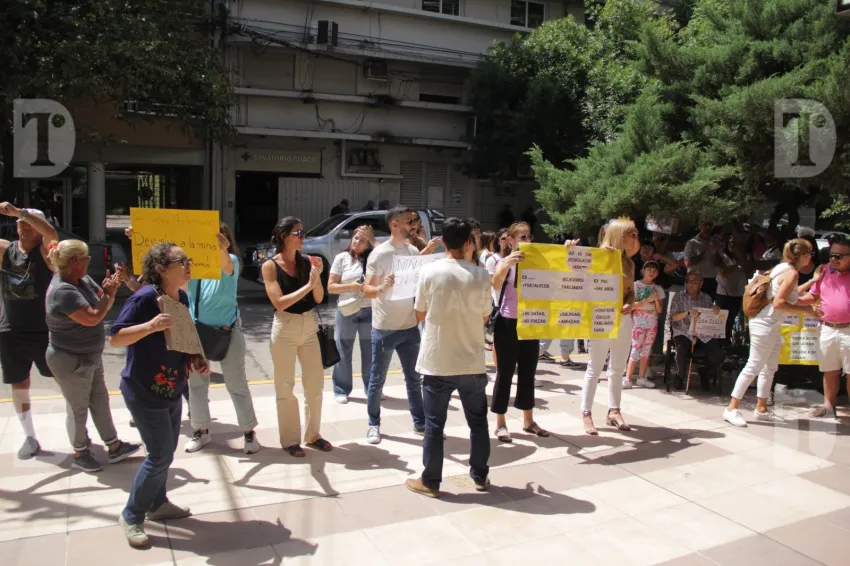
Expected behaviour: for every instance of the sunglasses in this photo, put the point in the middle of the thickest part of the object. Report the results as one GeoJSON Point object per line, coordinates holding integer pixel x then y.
{"type": "Point", "coordinates": [298, 234]}
{"type": "Point", "coordinates": [184, 261]}
{"type": "Point", "coordinates": [839, 257]}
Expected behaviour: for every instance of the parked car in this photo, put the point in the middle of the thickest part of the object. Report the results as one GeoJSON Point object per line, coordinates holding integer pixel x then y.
{"type": "Point", "coordinates": [103, 255]}
{"type": "Point", "coordinates": [333, 235]}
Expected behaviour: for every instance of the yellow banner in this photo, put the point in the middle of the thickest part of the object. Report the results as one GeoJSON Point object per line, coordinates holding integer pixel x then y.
{"type": "Point", "coordinates": [193, 230]}
{"type": "Point", "coordinates": [800, 337]}
{"type": "Point", "coordinates": [569, 296]}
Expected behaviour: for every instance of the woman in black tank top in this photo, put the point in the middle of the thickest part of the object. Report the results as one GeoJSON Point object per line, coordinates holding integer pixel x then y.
{"type": "Point", "coordinates": [294, 287]}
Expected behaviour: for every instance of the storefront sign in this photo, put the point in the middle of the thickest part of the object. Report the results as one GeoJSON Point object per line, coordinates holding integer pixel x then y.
{"type": "Point", "coordinates": [279, 161]}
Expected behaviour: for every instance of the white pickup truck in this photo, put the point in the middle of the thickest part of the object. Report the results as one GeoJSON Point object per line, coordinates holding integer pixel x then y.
{"type": "Point", "coordinates": [333, 235]}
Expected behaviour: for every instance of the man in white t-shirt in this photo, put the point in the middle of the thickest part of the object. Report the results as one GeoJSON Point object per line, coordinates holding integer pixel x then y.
{"type": "Point", "coordinates": [453, 298]}
{"type": "Point", "coordinates": [394, 327]}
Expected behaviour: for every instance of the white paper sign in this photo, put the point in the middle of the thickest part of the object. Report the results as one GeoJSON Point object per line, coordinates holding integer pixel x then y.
{"type": "Point", "coordinates": [804, 347]}
{"type": "Point", "coordinates": [709, 325]}
{"type": "Point", "coordinates": [541, 284]}
{"type": "Point", "coordinates": [661, 225]}
{"type": "Point", "coordinates": [406, 270]}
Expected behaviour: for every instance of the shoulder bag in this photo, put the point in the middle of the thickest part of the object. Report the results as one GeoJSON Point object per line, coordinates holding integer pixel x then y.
{"type": "Point", "coordinates": [216, 341]}
{"type": "Point", "coordinates": [496, 312]}
{"type": "Point", "coordinates": [327, 343]}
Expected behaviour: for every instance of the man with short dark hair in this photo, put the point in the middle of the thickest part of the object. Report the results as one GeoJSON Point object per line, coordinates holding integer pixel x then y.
{"type": "Point", "coordinates": [341, 208]}
{"type": "Point", "coordinates": [682, 313]}
{"type": "Point", "coordinates": [394, 327]}
{"type": "Point", "coordinates": [832, 289]}
{"type": "Point", "coordinates": [701, 254]}
{"type": "Point", "coordinates": [453, 299]}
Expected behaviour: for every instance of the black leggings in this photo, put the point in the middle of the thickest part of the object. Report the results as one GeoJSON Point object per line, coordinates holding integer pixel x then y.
{"type": "Point", "coordinates": [513, 355]}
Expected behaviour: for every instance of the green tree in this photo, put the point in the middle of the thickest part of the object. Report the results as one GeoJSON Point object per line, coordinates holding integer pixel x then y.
{"type": "Point", "coordinates": [560, 87]}
{"type": "Point", "coordinates": [159, 52]}
{"type": "Point", "coordinates": [699, 142]}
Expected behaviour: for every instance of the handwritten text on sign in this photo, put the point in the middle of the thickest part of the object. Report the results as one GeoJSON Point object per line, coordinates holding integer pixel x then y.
{"type": "Point", "coordinates": [569, 294]}
{"type": "Point", "coordinates": [799, 340]}
{"type": "Point", "coordinates": [193, 230]}
{"type": "Point", "coordinates": [406, 270]}
{"type": "Point", "coordinates": [709, 325]}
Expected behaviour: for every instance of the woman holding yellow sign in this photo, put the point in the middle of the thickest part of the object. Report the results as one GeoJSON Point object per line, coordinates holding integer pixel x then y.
{"type": "Point", "coordinates": [620, 234]}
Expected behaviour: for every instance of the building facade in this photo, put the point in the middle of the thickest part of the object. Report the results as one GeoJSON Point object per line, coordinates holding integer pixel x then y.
{"type": "Point", "coordinates": [364, 101]}
{"type": "Point", "coordinates": [335, 99]}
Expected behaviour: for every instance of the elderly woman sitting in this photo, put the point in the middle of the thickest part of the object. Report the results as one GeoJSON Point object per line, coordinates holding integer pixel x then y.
{"type": "Point", "coordinates": [75, 307]}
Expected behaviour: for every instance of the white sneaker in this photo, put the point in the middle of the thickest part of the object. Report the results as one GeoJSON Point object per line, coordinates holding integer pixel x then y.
{"type": "Point", "coordinates": [627, 384]}
{"type": "Point", "coordinates": [251, 444]}
{"type": "Point", "coordinates": [198, 441]}
{"type": "Point", "coordinates": [341, 399]}
{"type": "Point", "coordinates": [645, 383]}
{"type": "Point", "coordinates": [373, 435]}
{"type": "Point", "coordinates": [765, 416]}
{"type": "Point", "coordinates": [734, 418]}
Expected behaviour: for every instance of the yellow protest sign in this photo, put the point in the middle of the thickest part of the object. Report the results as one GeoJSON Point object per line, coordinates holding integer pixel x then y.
{"type": "Point", "coordinates": [799, 340]}
{"type": "Point", "coordinates": [575, 295]}
{"type": "Point", "coordinates": [193, 230]}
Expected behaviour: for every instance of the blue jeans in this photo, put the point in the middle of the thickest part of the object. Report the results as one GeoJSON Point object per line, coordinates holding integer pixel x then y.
{"type": "Point", "coordinates": [437, 394]}
{"type": "Point", "coordinates": [160, 431]}
{"type": "Point", "coordinates": [406, 344]}
{"type": "Point", "coordinates": [347, 329]}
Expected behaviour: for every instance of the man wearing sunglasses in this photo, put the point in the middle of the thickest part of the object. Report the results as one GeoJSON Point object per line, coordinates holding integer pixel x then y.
{"type": "Point", "coordinates": [832, 289]}
{"type": "Point", "coordinates": [394, 325]}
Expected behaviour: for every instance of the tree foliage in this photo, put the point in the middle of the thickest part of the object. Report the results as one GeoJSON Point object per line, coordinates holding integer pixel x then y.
{"type": "Point", "coordinates": [699, 141]}
{"type": "Point", "coordinates": [560, 87]}
{"type": "Point", "coordinates": [109, 51]}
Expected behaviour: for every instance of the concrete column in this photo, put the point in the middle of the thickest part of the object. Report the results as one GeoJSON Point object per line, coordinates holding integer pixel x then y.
{"type": "Point", "coordinates": [97, 202]}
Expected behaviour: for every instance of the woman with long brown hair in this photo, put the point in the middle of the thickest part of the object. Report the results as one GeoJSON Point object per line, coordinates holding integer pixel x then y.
{"type": "Point", "coordinates": [621, 235]}
{"type": "Point", "coordinates": [294, 287]}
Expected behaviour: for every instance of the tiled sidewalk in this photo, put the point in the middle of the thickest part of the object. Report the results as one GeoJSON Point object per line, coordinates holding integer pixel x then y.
{"type": "Point", "coordinates": [682, 488]}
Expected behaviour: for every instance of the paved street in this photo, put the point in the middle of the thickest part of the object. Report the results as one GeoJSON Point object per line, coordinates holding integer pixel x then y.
{"type": "Point", "coordinates": [683, 488]}
{"type": "Point", "coordinates": [257, 319]}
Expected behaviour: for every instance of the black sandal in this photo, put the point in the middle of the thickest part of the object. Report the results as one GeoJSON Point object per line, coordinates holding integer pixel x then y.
{"type": "Point", "coordinates": [536, 430]}
{"type": "Point", "coordinates": [320, 444]}
{"type": "Point", "coordinates": [296, 451]}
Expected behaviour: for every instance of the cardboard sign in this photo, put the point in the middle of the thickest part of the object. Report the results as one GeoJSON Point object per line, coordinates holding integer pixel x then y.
{"type": "Point", "coordinates": [406, 270]}
{"type": "Point", "coordinates": [569, 295]}
{"type": "Point", "coordinates": [183, 336]}
{"type": "Point", "coordinates": [193, 230]}
{"type": "Point", "coordinates": [709, 325]}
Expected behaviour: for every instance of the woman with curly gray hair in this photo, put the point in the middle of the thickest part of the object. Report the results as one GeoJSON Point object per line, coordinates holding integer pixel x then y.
{"type": "Point", "coordinates": [152, 383]}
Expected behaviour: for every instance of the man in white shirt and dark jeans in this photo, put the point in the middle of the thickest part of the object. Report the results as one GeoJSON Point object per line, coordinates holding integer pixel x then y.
{"type": "Point", "coordinates": [453, 298]}
{"type": "Point", "coordinates": [394, 326]}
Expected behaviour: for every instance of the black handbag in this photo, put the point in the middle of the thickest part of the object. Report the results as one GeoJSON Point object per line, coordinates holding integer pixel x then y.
{"type": "Point", "coordinates": [495, 313]}
{"type": "Point", "coordinates": [327, 344]}
{"type": "Point", "coordinates": [215, 341]}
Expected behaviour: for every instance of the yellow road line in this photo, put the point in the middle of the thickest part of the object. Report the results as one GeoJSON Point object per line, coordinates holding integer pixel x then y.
{"type": "Point", "coordinates": [212, 385]}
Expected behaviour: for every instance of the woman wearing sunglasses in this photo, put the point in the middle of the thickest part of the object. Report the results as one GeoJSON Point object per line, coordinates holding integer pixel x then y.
{"type": "Point", "coordinates": [152, 384]}
{"type": "Point", "coordinates": [294, 287]}
{"type": "Point", "coordinates": [515, 355]}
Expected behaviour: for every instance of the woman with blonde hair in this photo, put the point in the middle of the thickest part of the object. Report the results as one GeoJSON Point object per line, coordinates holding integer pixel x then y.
{"type": "Point", "coordinates": [621, 235]}
{"type": "Point", "coordinates": [75, 307]}
{"type": "Point", "coordinates": [765, 331]}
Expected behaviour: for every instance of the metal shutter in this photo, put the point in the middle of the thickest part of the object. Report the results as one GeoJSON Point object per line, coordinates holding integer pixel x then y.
{"type": "Point", "coordinates": [411, 193]}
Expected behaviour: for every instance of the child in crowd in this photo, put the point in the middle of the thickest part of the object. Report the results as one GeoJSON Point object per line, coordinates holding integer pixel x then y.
{"type": "Point", "coordinates": [649, 298]}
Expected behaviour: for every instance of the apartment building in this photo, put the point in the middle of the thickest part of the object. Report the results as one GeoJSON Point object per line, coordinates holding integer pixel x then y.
{"type": "Point", "coordinates": [360, 100]}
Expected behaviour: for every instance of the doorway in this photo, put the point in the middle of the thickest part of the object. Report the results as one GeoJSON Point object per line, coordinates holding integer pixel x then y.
{"type": "Point", "coordinates": [256, 206]}
{"type": "Point", "coordinates": [54, 198]}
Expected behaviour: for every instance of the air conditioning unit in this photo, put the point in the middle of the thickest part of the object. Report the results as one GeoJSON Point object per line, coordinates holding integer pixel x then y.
{"type": "Point", "coordinates": [324, 32]}
{"type": "Point", "coordinates": [376, 70]}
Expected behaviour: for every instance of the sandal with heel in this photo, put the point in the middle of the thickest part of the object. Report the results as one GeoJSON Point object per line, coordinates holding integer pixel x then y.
{"type": "Point", "coordinates": [589, 429]}
{"type": "Point", "coordinates": [618, 424]}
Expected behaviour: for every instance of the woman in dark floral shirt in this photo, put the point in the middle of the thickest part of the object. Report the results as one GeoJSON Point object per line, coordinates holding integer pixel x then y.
{"type": "Point", "coordinates": [152, 383]}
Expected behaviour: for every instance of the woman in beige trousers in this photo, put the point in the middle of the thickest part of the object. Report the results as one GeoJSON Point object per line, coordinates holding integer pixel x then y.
{"type": "Point", "coordinates": [293, 284]}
